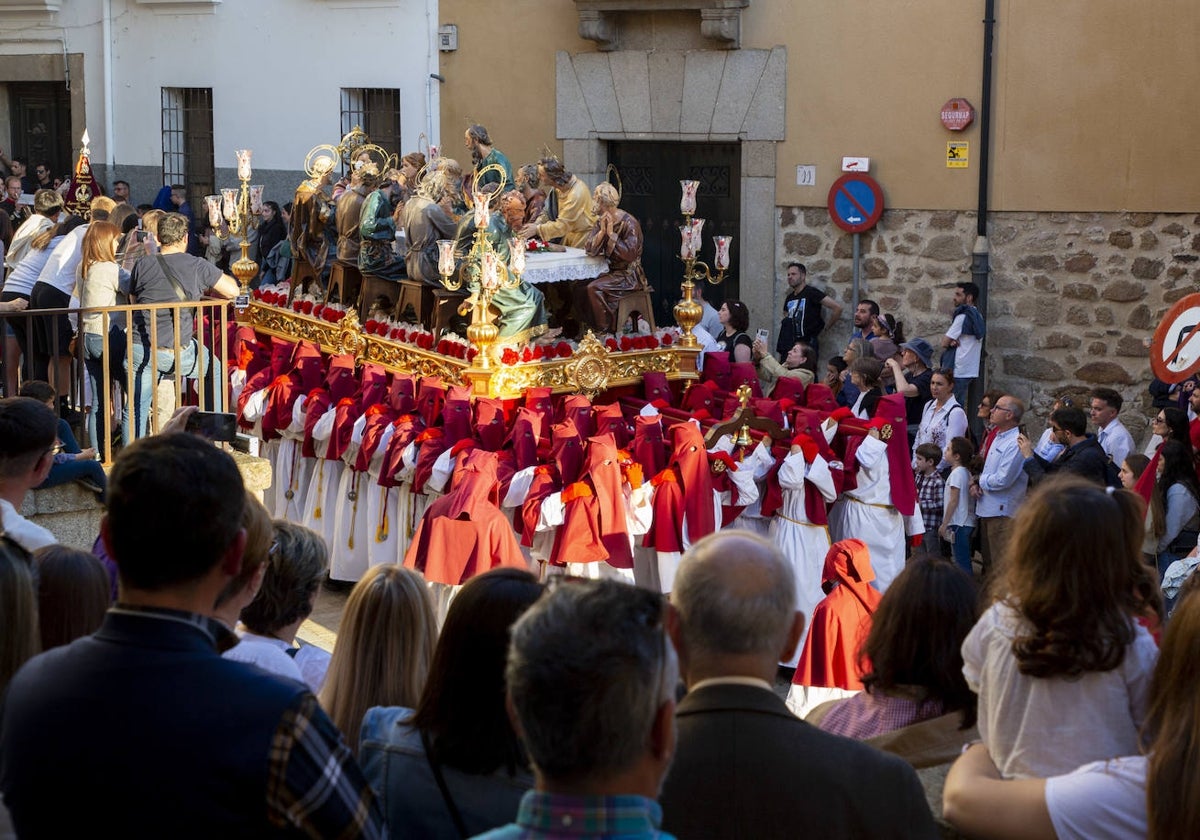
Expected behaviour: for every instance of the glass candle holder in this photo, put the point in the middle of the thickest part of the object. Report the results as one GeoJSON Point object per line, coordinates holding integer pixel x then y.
{"type": "Point", "coordinates": [491, 270]}
{"type": "Point", "coordinates": [686, 250]}
{"type": "Point", "coordinates": [213, 203]}
{"type": "Point", "coordinates": [722, 244]}
{"type": "Point", "coordinates": [483, 213]}
{"type": "Point", "coordinates": [445, 257]}
{"type": "Point", "coordinates": [243, 163]}
{"type": "Point", "coordinates": [229, 203]}
{"type": "Point", "coordinates": [687, 204]}
{"type": "Point", "coordinates": [256, 196]}
{"type": "Point", "coordinates": [516, 255]}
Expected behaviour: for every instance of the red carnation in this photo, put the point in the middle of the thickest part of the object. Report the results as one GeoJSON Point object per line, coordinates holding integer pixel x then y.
{"type": "Point", "coordinates": [472, 353]}
{"type": "Point", "coordinates": [667, 339]}
{"type": "Point", "coordinates": [526, 355]}
{"type": "Point", "coordinates": [400, 334]}
{"type": "Point", "coordinates": [563, 349]}
{"type": "Point", "coordinates": [611, 344]}
{"type": "Point", "coordinates": [306, 307]}
{"type": "Point", "coordinates": [318, 309]}
{"type": "Point", "coordinates": [626, 343]}
{"type": "Point", "coordinates": [371, 325]}
{"type": "Point", "coordinates": [538, 353]}
{"type": "Point", "coordinates": [508, 357]}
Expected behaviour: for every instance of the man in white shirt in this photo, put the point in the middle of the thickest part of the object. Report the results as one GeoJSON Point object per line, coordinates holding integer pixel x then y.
{"type": "Point", "coordinates": [1111, 433]}
{"type": "Point", "coordinates": [27, 447]}
{"type": "Point", "coordinates": [965, 337]}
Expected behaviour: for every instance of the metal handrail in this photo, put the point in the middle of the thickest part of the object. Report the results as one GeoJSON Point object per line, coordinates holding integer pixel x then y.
{"type": "Point", "coordinates": [219, 313]}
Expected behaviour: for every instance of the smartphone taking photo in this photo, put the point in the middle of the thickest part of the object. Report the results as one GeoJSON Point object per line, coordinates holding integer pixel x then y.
{"type": "Point", "coordinates": [214, 425]}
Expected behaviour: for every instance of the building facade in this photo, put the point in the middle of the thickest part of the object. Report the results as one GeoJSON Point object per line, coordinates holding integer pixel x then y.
{"type": "Point", "coordinates": [1091, 210]}
{"type": "Point", "coordinates": [168, 89]}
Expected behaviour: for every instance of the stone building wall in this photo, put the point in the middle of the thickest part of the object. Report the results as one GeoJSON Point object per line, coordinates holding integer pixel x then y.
{"type": "Point", "coordinates": [1072, 302]}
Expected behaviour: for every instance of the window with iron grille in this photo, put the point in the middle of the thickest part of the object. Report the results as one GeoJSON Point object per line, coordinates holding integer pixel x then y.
{"type": "Point", "coordinates": [187, 141]}
{"type": "Point", "coordinates": [377, 112]}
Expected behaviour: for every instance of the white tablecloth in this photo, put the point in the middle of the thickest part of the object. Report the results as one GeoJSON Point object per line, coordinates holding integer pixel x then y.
{"type": "Point", "coordinates": [572, 264]}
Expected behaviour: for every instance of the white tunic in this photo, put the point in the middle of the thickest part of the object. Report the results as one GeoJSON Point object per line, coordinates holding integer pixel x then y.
{"type": "Point", "coordinates": [348, 548]}
{"type": "Point", "coordinates": [292, 471]}
{"type": "Point", "coordinates": [320, 500]}
{"type": "Point", "coordinates": [803, 543]}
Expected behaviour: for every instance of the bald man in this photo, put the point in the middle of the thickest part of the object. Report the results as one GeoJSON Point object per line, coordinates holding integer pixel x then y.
{"type": "Point", "coordinates": [744, 765]}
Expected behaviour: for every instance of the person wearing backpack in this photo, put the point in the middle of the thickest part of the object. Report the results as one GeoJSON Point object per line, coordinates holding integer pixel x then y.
{"type": "Point", "coordinates": [170, 276]}
{"type": "Point", "coordinates": [1083, 455]}
{"type": "Point", "coordinates": [942, 419]}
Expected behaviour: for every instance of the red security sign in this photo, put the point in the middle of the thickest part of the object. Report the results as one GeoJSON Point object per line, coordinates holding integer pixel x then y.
{"type": "Point", "coordinates": [957, 114]}
{"type": "Point", "coordinates": [855, 202]}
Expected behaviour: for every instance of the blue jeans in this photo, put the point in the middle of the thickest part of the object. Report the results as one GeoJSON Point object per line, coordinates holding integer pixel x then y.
{"type": "Point", "coordinates": [961, 386]}
{"type": "Point", "coordinates": [961, 547]}
{"type": "Point", "coordinates": [93, 360]}
{"type": "Point", "coordinates": [193, 364]}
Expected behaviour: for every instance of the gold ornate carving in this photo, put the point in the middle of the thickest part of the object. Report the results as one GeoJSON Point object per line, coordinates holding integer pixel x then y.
{"type": "Point", "coordinates": [590, 370]}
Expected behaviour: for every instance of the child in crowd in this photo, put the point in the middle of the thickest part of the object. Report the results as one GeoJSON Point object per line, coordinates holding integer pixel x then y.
{"type": "Point", "coordinates": [931, 487]}
{"type": "Point", "coordinates": [958, 519]}
{"type": "Point", "coordinates": [70, 462]}
{"type": "Point", "coordinates": [1060, 665]}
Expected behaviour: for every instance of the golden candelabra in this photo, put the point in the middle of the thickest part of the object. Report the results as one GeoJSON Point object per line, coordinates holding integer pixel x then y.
{"type": "Point", "coordinates": [687, 312]}
{"type": "Point", "coordinates": [241, 209]}
{"type": "Point", "coordinates": [482, 269]}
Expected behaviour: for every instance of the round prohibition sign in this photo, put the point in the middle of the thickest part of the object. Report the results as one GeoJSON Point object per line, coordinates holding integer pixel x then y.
{"type": "Point", "coordinates": [1175, 350]}
{"type": "Point", "coordinates": [855, 202]}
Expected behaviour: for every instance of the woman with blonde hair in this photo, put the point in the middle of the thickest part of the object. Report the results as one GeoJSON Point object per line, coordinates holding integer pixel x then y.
{"type": "Point", "coordinates": [384, 648]}
{"type": "Point", "coordinates": [97, 287]}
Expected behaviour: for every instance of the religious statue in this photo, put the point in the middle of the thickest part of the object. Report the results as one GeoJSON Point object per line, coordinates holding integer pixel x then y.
{"type": "Point", "coordinates": [484, 154]}
{"type": "Point", "coordinates": [573, 204]}
{"type": "Point", "coordinates": [428, 218]}
{"type": "Point", "coordinates": [617, 237]}
{"type": "Point", "coordinates": [349, 212]}
{"type": "Point", "coordinates": [378, 233]}
{"type": "Point", "coordinates": [535, 199]}
{"type": "Point", "coordinates": [311, 213]}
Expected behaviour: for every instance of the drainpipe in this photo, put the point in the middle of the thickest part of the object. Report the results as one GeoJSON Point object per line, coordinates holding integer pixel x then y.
{"type": "Point", "coordinates": [979, 256]}
{"type": "Point", "coordinates": [109, 130]}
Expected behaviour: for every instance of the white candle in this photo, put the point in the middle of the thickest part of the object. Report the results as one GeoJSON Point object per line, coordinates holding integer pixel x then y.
{"type": "Point", "coordinates": [445, 257]}
{"type": "Point", "coordinates": [516, 255]}
{"type": "Point", "coordinates": [722, 243]}
{"type": "Point", "coordinates": [243, 162]}
{"type": "Point", "coordinates": [687, 204]}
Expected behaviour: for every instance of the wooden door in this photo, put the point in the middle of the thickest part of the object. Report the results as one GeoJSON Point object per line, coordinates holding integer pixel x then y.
{"type": "Point", "coordinates": [41, 126]}
{"type": "Point", "coordinates": [650, 175]}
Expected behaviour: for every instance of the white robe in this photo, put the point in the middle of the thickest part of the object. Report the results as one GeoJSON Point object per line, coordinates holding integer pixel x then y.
{"type": "Point", "coordinates": [292, 471]}
{"type": "Point", "coordinates": [866, 513]}
{"type": "Point", "coordinates": [803, 543]}
{"type": "Point", "coordinates": [382, 528]}
{"type": "Point", "coordinates": [348, 548]}
{"type": "Point", "coordinates": [320, 500]}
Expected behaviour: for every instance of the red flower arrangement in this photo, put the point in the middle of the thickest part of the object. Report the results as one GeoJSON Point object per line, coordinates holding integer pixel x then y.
{"type": "Point", "coordinates": [508, 357]}
{"type": "Point", "coordinates": [563, 349]}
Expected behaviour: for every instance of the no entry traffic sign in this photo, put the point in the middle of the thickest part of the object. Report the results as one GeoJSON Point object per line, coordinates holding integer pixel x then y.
{"type": "Point", "coordinates": [855, 202]}
{"type": "Point", "coordinates": [1175, 350]}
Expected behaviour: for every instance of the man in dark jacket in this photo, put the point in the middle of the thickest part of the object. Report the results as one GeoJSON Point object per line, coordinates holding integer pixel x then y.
{"type": "Point", "coordinates": [1083, 455]}
{"type": "Point", "coordinates": [745, 766]}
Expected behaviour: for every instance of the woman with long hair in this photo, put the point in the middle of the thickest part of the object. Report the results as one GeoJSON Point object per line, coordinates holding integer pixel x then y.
{"type": "Point", "coordinates": [18, 604]}
{"type": "Point", "coordinates": [912, 659]}
{"type": "Point", "coordinates": [1154, 795]}
{"type": "Point", "coordinates": [73, 594]}
{"type": "Point", "coordinates": [1132, 469]}
{"type": "Point", "coordinates": [384, 648]}
{"type": "Point", "coordinates": [1180, 493]}
{"type": "Point", "coordinates": [98, 285]}
{"type": "Point", "coordinates": [735, 320]}
{"type": "Point", "coordinates": [460, 731]}
{"type": "Point", "coordinates": [1061, 650]}
{"type": "Point", "coordinates": [270, 230]}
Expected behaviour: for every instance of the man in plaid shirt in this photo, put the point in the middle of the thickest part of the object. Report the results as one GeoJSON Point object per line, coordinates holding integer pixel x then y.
{"type": "Point", "coordinates": [931, 487]}
{"type": "Point", "coordinates": [147, 727]}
